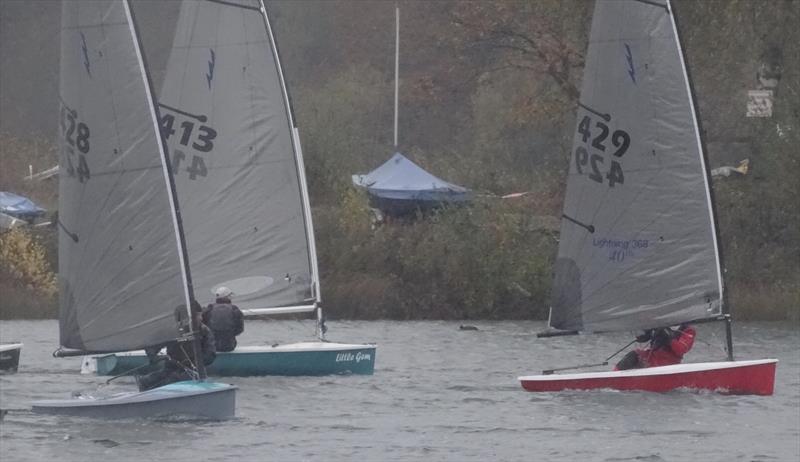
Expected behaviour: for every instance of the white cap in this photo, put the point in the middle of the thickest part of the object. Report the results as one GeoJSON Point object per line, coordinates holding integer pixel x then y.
{"type": "Point", "coordinates": [223, 291]}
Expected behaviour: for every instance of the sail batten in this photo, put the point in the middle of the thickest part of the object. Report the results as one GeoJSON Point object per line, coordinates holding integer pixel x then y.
{"type": "Point", "coordinates": [236, 158]}
{"type": "Point", "coordinates": [638, 246]}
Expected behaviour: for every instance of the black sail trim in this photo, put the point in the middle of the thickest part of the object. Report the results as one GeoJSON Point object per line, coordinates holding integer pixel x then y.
{"type": "Point", "coordinates": [198, 117]}
{"type": "Point", "coordinates": [650, 2]}
{"type": "Point", "coordinates": [589, 228]}
{"type": "Point", "coordinates": [604, 115]}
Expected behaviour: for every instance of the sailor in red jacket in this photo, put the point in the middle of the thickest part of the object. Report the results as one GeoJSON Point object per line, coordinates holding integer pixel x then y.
{"type": "Point", "coordinates": [666, 347]}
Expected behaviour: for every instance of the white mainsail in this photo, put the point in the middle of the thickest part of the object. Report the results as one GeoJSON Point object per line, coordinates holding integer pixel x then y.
{"type": "Point", "coordinates": [121, 272]}
{"type": "Point", "coordinates": [638, 245]}
{"type": "Point", "coordinates": [237, 159]}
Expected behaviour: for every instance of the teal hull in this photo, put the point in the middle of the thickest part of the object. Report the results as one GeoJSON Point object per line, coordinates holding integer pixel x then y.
{"type": "Point", "coordinates": [305, 359]}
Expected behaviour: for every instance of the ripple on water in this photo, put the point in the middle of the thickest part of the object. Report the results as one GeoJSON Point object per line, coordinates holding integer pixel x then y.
{"type": "Point", "coordinates": [424, 402]}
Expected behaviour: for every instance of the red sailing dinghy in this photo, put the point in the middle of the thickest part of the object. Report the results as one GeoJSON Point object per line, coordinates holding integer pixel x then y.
{"type": "Point", "coordinates": [734, 377]}
{"type": "Point", "coordinates": [638, 247]}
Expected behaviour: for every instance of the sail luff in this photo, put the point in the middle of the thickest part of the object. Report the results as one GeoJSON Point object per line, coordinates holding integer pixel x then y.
{"type": "Point", "coordinates": [162, 148]}
{"type": "Point", "coordinates": [709, 190]}
{"type": "Point", "coordinates": [701, 152]}
{"type": "Point", "coordinates": [301, 170]}
{"type": "Point", "coordinates": [312, 241]}
{"type": "Point", "coordinates": [180, 239]}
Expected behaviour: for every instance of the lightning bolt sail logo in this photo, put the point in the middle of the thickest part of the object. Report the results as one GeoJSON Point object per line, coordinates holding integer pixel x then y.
{"type": "Point", "coordinates": [210, 75]}
{"type": "Point", "coordinates": [85, 55]}
{"type": "Point", "coordinates": [629, 58]}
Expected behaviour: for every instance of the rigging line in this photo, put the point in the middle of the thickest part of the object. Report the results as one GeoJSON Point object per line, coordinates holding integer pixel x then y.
{"type": "Point", "coordinates": [192, 370]}
{"type": "Point", "coordinates": [198, 117]}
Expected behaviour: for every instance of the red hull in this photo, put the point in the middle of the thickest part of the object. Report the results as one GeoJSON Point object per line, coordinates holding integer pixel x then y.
{"type": "Point", "coordinates": [737, 377]}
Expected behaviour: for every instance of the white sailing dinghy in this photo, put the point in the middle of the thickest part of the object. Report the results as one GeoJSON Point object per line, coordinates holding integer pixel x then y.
{"type": "Point", "coordinates": [9, 357]}
{"type": "Point", "coordinates": [238, 164]}
{"type": "Point", "coordinates": [124, 282]}
{"type": "Point", "coordinates": [638, 247]}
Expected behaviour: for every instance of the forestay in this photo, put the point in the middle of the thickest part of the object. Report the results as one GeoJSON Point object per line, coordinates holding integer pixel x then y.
{"type": "Point", "coordinates": [235, 154]}
{"type": "Point", "coordinates": [638, 246]}
{"type": "Point", "coordinates": [120, 270]}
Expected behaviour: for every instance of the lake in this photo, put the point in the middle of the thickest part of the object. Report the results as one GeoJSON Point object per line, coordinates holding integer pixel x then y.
{"type": "Point", "coordinates": [438, 393]}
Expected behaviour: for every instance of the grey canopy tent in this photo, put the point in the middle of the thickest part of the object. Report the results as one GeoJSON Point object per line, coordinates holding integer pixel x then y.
{"type": "Point", "coordinates": [401, 187]}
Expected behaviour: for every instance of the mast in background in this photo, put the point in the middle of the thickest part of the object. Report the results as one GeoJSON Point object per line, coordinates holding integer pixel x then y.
{"type": "Point", "coordinates": [396, 68]}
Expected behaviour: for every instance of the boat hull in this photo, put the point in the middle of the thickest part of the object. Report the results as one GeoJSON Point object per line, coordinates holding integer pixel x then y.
{"type": "Point", "coordinates": [731, 377]}
{"type": "Point", "coordinates": [9, 357]}
{"type": "Point", "coordinates": [296, 359]}
{"type": "Point", "coordinates": [193, 399]}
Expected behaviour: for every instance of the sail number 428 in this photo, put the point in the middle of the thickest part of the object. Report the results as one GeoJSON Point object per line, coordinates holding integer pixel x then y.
{"type": "Point", "coordinates": [76, 135]}
{"type": "Point", "coordinates": [593, 163]}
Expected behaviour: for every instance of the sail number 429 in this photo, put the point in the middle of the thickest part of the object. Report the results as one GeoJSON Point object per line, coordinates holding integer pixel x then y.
{"type": "Point", "coordinates": [594, 163]}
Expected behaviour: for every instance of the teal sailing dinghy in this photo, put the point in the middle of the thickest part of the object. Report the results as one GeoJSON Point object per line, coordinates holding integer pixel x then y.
{"type": "Point", "coordinates": [238, 164]}
{"type": "Point", "coordinates": [123, 276]}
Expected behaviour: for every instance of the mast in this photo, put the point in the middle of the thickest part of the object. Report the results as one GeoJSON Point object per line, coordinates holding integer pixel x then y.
{"type": "Point", "coordinates": [396, 68]}
{"type": "Point", "coordinates": [301, 169]}
{"type": "Point", "coordinates": [707, 178]}
{"type": "Point", "coordinates": [170, 180]}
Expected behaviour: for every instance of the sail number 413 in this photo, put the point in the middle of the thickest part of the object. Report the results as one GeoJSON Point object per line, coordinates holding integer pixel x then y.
{"type": "Point", "coordinates": [201, 140]}
{"type": "Point", "coordinates": [592, 162]}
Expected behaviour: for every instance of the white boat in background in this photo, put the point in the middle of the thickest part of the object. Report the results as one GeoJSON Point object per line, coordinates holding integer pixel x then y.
{"type": "Point", "coordinates": [241, 185]}
{"type": "Point", "coordinates": [124, 281]}
{"type": "Point", "coordinates": [9, 357]}
{"type": "Point", "coordinates": [638, 247]}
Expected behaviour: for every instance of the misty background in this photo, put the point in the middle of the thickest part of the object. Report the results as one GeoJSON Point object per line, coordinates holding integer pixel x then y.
{"type": "Point", "coordinates": [487, 98]}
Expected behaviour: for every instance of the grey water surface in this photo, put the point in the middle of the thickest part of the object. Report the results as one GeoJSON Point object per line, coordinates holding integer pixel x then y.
{"type": "Point", "coordinates": [438, 393]}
